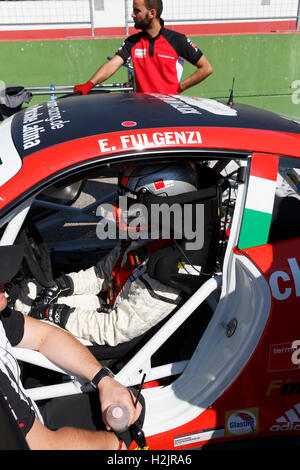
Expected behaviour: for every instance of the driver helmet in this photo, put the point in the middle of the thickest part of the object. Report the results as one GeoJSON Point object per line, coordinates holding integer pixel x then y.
{"type": "Point", "coordinates": [141, 186]}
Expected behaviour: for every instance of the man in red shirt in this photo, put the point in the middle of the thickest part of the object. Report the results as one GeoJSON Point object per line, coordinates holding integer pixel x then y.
{"type": "Point", "coordinates": [157, 54]}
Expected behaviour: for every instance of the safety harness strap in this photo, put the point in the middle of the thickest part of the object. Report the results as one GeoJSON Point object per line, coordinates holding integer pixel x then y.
{"type": "Point", "coordinates": [135, 258]}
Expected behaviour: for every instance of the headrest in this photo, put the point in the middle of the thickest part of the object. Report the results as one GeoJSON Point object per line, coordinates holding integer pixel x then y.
{"type": "Point", "coordinates": [186, 269]}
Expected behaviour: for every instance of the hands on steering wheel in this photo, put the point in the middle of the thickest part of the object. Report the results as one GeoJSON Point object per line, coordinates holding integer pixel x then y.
{"type": "Point", "coordinates": [44, 307]}
{"type": "Point", "coordinates": [62, 287]}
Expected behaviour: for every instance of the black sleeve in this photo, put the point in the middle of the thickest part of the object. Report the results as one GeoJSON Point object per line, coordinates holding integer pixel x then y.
{"type": "Point", "coordinates": [13, 323]}
{"type": "Point", "coordinates": [184, 47]}
{"type": "Point", "coordinates": [125, 50]}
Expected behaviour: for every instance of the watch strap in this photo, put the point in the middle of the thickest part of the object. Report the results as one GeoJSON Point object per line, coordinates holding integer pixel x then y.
{"type": "Point", "coordinates": [103, 372]}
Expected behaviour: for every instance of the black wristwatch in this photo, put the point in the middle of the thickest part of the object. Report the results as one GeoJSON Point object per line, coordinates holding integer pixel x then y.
{"type": "Point", "coordinates": [103, 372]}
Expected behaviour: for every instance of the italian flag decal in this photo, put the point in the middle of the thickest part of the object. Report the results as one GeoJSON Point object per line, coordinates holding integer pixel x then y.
{"type": "Point", "coordinates": [259, 201]}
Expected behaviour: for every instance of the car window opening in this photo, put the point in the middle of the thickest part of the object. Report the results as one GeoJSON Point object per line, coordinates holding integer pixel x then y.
{"type": "Point", "coordinates": [69, 235]}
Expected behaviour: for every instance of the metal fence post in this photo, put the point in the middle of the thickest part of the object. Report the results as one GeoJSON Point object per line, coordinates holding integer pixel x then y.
{"type": "Point", "coordinates": [298, 17]}
{"type": "Point", "coordinates": [126, 16]}
{"type": "Point", "coordinates": [91, 2]}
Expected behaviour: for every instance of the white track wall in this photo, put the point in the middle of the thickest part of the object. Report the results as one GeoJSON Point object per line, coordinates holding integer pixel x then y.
{"type": "Point", "coordinates": [54, 14]}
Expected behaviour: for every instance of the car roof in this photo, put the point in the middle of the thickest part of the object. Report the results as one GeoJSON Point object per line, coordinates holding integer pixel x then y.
{"type": "Point", "coordinates": [77, 117]}
{"type": "Point", "coordinates": [49, 139]}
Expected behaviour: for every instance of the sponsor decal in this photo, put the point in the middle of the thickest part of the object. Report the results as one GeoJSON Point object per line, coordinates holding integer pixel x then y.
{"type": "Point", "coordinates": [55, 117]}
{"type": "Point", "coordinates": [280, 357]}
{"type": "Point", "coordinates": [31, 127]}
{"type": "Point", "coordinates": [194, 105]}
{"type": "Point", "coordinates": [177, 103]}
{"type": "Point", "coordinates": [284, 285]}
{"type": "Point", "coordinates": [209, 105]}
{"type": "Point", "coordinates": [161, 184]}
{"type": "Point", "coordinates": [198, 436]}
{"type": "Point", "coordinates": [140, 53]}
{"type": "Point", "coordinates": [240, 422]}
{"type": "Point", "coordinates": [35, 123]}
{"type": "Point", "coordinates": [296, 352]}
{"type": "Point", "coordinates": [150, 139]}
{"type": "Point", "coordinates": [285, 387]}
{"type": "Point", "coordinates": [289, 421]}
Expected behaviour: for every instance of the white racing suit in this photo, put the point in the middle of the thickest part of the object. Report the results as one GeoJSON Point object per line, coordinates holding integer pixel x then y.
{"type": "Point", "coordinates": [141, 303]}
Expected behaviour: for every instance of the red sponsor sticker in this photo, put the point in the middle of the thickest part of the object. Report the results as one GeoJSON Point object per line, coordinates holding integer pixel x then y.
{"type": "Point", "coordinates": [161, 184]}
{"type": "Point", "coordinates": [129, 124]}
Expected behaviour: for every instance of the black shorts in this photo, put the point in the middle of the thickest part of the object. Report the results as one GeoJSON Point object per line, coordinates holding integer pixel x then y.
{"type": "Point", "coordinates": [80, 411]}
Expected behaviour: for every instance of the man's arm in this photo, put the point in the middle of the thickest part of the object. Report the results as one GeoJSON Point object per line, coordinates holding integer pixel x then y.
{"type": "Point", "coordinates": [103, 73]}
{"type": "Point", "coordinates": [204, 69]}
{"type": "Point", "coordinates": [67, 352]}
{"type": "Point", "coordinates": [107, 69]}
{"type": "Point", "coordinates": [41, 438]}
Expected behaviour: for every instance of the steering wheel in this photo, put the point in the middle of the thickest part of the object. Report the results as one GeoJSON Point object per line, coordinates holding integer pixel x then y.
{"type": "Point", "coordinates": [36, 254]}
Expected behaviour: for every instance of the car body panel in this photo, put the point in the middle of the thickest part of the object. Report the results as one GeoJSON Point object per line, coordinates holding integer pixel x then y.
{"type": "Point", "coordinates": [263, 400]}
{"type": "Point", "coordinates": [242, 380]}
{"type": "Point", "coordinates": [53, 159]}
{"type": "Point", "coordinates": [58, 121]}
{"type": "Point", "coordinates": [260, 200]}
{"type": "Point", "coordinates": [55, 136]}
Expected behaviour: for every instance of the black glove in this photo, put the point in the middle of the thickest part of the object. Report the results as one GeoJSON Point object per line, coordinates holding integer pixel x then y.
{"type": "Point", "coordinates": [63, 287]}
{"type": "Point", "coordinates": [55, 313]}
{"type": "Point", "coordinates": [135, 431]}
{"type": "Point", "coordinates": [13, 291]}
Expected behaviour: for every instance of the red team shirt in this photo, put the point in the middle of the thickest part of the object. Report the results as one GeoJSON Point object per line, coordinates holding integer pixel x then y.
{"type": "Point", "coordinates": [158, 62]}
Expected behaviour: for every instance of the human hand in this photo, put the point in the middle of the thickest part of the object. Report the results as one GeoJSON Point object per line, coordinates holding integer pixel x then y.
{"type": "Point", "coordinates": [134, 431]}
{"type": "Point", "coordinates": [55, 313]}
{"type": "Point", "coordinates": [84, 88]}
{"type": "Point", "coordinates": [179, 88]}
{"type": "Point", "coordinates": [112, 392]}
{"type": "Point", "coordinates": [62, 287]}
